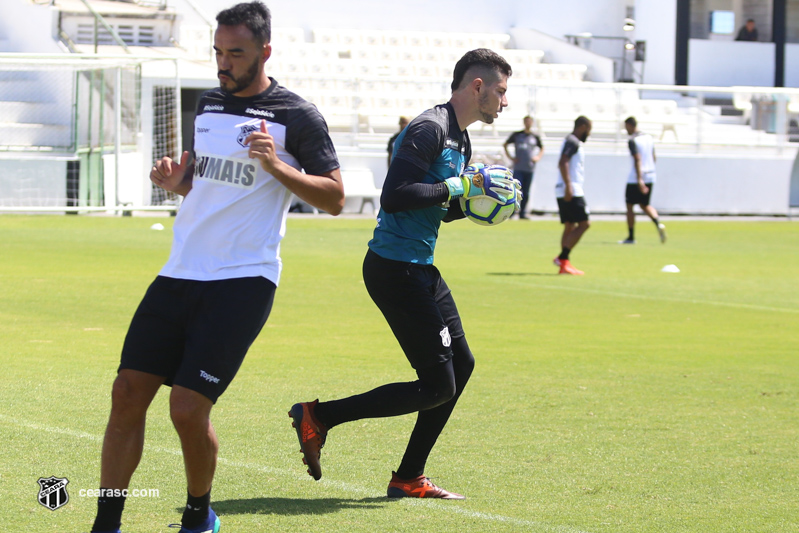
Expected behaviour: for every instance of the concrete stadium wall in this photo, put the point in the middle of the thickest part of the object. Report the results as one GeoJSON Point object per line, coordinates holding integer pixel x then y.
{"type": "Point", "coordinates": [725, 64]}
{"type": "Point", "coordinates": [27, 27]}
{"type": "Point", "coordinates": [701, 184]}
{"type": "Point", "coordinates": [792, 65]}
{"type": "Point", "coordinates": [686, 184]}
{"type": "Point", "coordinates": [656, 23]}
{"type": "Point", "coordinates": [600, 68]}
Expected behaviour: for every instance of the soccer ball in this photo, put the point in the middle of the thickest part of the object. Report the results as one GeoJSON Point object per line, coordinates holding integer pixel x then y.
{"type": "Point", "coordinates": [485, 211]}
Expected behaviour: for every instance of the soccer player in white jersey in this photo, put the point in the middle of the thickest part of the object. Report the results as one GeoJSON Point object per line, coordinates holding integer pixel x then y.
{"type": "Point", "coordinates": [213, 296]}
{"type": "Point", "coordinates": [569, 192]}
{"type": "Point", "coordinates": [641, 179]}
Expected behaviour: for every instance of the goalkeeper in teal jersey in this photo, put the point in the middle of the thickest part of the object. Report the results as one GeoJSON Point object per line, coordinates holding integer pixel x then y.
{"type": "Point", "coordinates": [420, 191]}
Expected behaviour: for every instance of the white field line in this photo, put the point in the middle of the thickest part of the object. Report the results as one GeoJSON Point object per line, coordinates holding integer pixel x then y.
{"type": "Point", "coordinates": [617, 294]}
{"type": "Point", "coordinates": [347, 487]}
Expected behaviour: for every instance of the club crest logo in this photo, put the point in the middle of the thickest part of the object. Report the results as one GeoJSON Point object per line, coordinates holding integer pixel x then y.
{"type": "Point", "coordinates": [446, 340]}
{"type": "Point", "coordinates": [245, 132]}
{"type": "Point", "coordinates": [53, 492]}
{"type": "Point", "coordinates": [477, 179]}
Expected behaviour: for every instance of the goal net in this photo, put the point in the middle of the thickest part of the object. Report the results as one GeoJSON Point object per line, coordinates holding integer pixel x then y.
{"type": "Point", "coordinates": [80, 133]}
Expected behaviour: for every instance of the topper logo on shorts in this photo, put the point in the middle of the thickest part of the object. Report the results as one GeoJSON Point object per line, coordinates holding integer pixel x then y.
{"type": "Point", "coordinates": [208, 377]}
{"type": "Point", "coordinates": [229, 171]}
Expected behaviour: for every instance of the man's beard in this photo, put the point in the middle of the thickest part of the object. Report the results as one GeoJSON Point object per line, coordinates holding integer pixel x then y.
{"type": "Point", "coordinates": [583, 137]}
{"type": "Point", "coordinates": [488, 118]}
{"type": "Point", "coordinates": [241, 83]}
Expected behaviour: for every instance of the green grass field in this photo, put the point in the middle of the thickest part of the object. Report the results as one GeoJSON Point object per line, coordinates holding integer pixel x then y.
{"type": "Point", "coordinates": [627, 400]}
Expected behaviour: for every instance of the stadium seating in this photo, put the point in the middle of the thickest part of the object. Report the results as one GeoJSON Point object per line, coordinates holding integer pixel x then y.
{"type": "Point", "coordinates": [359, 184]}
{"type": "Point", "coordinates": [362, 80]}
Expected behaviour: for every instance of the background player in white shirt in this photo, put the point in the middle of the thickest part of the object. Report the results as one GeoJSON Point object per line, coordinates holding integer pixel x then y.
{"type": "Point", "coordinates": [641, 179]}
{"type": "Point", "coordinates": [573, 210]}
{"type": "Point", "coordinates": [213, 296]}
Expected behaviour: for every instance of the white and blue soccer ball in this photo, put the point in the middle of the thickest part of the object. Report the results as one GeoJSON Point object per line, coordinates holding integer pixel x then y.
{"type": "Point", "coordinates": [483, 210]}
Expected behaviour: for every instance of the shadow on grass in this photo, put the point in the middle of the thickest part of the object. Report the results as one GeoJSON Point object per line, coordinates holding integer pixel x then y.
{"type": "Point", "coordinates": [294, 506]}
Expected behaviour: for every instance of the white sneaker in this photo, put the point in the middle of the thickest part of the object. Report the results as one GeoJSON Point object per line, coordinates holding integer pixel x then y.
{"type": "Point", "coordinates": [662, 232]}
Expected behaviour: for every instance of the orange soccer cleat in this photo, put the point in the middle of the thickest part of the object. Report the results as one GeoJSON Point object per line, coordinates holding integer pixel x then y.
{"type": "Point", "coordinates": [567, 268]}
{"type": "Point", "coordinates": [311, 434]}
{"type": "Point", "coordinates": [420, 487]}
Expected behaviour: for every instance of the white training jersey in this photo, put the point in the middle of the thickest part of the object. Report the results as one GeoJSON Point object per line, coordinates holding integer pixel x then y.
{"type": "Point", "coordinates": [644, 145]}
{"type": "Point", "coordinates": [572, 148]}
{"type": "Point", "coordinates": [232, 221]}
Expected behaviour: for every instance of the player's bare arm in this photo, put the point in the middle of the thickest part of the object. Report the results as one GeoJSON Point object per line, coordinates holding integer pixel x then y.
{"type": "Point", "coordinates": [172, 176]}
{"type": "Point", "coordinates": [507, 152]}
{"type": "Point", "coordinates": [537, 157]}
{"type": "Point", "coordinates": [325, 191]}
{"type": "Point", "coordinates": [563, 165]}
{"type": "Point", "coordinates": [641, 185]}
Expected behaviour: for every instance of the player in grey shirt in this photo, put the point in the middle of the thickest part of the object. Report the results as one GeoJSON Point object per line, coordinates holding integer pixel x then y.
{"type": "Point", "coordinates": [528, 151]}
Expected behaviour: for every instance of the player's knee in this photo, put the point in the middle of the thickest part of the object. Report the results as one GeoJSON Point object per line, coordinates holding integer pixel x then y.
{"type": "Point", "coordinates": [462, 361]}
{"type": "Point", "coordinates": [184, 418]}
{"type": "Point", "coordinates": [464, 369]}
{"type": "Point", "coordinates": [447, 391]}
{"type": "Point", "coordinates": [439, 391]}
{"type": "Point", "coordinates": [127, 397]}
{"type": "Point", "coordinates": [187, 411]}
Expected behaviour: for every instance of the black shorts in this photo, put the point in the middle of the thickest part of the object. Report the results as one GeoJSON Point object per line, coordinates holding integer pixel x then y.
{"type": "Point", "coordinates": [633, 194]}
{"type": "Point", "coordinates": [417, 305]}
{"type": "Point", "coordinates": [574, 211]}
{"type": "Point", "coordinates": [196, 333]}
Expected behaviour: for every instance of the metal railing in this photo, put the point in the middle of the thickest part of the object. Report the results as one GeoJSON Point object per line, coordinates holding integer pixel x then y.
{"type": "Point", "coordinates": [100, 21]}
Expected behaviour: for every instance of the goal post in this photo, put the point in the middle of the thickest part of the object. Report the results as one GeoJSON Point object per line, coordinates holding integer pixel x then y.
{"type": "Point", "coordinates": [79, 133]}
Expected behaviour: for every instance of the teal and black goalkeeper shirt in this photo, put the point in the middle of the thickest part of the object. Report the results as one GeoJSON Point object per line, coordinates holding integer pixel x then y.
{"type": "Point", "coordinates": [431, 148]}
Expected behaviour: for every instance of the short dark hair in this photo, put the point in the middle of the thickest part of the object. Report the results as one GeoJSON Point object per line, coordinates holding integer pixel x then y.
{"type": "Point", "coordinates": [491, 62]}
{"type": "Point", "coordinates": [582, 120]}
{"type": "Point", "coordinates": [631, 121]}
{"type": "Point", "coordinates": [254, 15]}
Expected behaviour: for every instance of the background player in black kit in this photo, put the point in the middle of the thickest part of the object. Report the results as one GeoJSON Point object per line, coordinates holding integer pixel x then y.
{"type": "Point", "coordinates": [429, 157]}
{"type": "Point", "coordinates": [213, 296]}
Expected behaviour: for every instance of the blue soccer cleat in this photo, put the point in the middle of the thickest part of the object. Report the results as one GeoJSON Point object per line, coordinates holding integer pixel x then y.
{"type": "Point", "coordinates": [211, 525]}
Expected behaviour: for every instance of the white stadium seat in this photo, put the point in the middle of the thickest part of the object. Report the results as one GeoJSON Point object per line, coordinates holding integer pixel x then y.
{"type": "Point", "coordinates": [367, 78]}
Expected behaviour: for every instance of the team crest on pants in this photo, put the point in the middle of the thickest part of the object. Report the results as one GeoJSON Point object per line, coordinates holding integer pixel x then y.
{"type": "Point", "coordinates": [53, 492]}
{"type": "Point", "coordinates": [446, 340]}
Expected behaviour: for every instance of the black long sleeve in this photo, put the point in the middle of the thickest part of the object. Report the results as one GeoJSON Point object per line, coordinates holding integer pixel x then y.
{"type": "Point", "coordinates": [403, 189]}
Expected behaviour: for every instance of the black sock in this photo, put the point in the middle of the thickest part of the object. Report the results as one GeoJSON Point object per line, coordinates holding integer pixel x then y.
{"type": "Point", "coordinates": [564, 254]}
{"type": "Point", "coordinates": [407, 476]}
{"type": "Point", "coordinates": [109, 511]}
{"type": "Point", "coordinates": [656, 221]}
{"type": "Point", "coordinates": [632, 234]}
{"type": "Point", "coordinates": [196, 511]}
